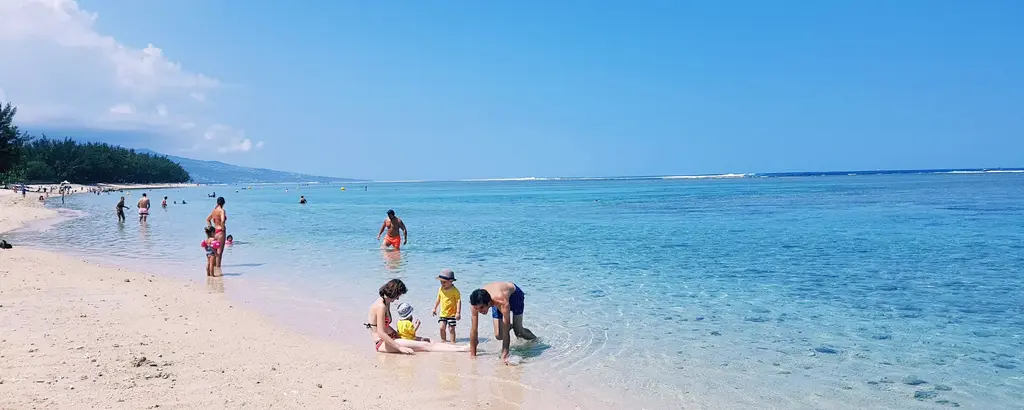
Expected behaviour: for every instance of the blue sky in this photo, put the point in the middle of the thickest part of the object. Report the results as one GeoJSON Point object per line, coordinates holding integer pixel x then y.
{"type": "Point", "coordinates": [418, 90]}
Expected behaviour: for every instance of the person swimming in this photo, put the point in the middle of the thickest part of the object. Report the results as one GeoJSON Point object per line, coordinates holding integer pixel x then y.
{"type": "Point", "coordinates": [230, 240]}
{"type": "Point", "coordinates": [302, 199]}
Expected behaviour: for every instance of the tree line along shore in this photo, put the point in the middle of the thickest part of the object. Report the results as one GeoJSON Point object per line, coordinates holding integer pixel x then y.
{"type": "Point", "coordinates": [27, 158]}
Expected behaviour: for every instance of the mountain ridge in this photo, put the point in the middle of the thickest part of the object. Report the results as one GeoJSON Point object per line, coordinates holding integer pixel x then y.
{"type": "Point", "coordinates": [216, 172]}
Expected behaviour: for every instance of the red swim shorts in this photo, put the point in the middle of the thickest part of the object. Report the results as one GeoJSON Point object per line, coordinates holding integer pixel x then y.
{"type": "Point", "coordinates": [395, 241]}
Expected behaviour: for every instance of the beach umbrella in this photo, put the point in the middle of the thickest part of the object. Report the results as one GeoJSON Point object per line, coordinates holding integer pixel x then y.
{"type": "Point", "coordinates": [65, 182]}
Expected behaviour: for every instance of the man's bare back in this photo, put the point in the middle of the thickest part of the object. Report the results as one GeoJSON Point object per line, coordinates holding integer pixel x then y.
{"type": "Point", "coordinates": [144, 203]}
{"type": "Point", "coordinates": [499, 292]}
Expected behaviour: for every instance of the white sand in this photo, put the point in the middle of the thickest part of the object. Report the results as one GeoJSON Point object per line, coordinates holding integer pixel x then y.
{"type": "Point", "coordinates": [74, 335]}
{"type": "Point", "coordinates": [16, 211]}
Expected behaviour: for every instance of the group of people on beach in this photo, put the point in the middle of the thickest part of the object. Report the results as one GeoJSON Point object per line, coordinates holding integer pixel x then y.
{"type": "Point", "coordinates": [504, 300]}
{"type": "Point", "coordinates": [143, 205]}
{"type": "Point", "coordinates": [215, 240]}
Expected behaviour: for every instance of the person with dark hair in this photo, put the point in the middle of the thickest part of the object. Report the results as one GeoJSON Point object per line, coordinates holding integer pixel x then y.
{"type": "Point", "coordinates": [506, 302]}
{"type": "Point", "coordinates": [210, 244]}
{"type": "Point", "coordinates": [218, 220]}
{"type": "Point", "coordinates": [393, 224]}
{"type": "Point", "coordinates": [385, 338]}
{"type": "Point", "coordinates": [120, 210]}
{"type": "Point", "coordinates": [164, 203]}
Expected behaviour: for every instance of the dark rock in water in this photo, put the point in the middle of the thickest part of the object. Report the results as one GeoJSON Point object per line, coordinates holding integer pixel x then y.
{"type": "Point", "coordinates": [925, 395]}
{"type": "Point", "coordinates": [872, 382]}
{"type": "Point", "coordinates": [716, 333]}
{"type": "Point", "coordinates": [913, 381]}
{"type": "Point", "coordinates": [885, 380]}
{"type": "Point", "coordinates": [948, 403]}
{"type": "Point", "coordinates": [942, 387]}
{"type": "Point", "coordinates": [597, 293]}
{"type": "Point", "coordinates": [1003, 364]}
{"type": "Point", "coordinates": [825, 350]}
{"type": "Point", "coordinates": [756, 319]}
{"type": "Point", "coordinates": [882, 337]}
{"type": "Point", "coordinates": [699, 318]}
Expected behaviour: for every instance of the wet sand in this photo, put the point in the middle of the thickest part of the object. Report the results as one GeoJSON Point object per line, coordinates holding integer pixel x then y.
{"type": "Point", "coordinates": [80, 335]}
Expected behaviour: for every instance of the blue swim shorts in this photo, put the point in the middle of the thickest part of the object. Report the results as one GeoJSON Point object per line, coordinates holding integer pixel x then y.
{"type": "Point", "coordinates": [516, 301]}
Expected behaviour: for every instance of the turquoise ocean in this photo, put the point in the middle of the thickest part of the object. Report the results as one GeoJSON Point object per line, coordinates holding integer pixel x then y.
{"type": "Point", "coordinates": [864, 291]}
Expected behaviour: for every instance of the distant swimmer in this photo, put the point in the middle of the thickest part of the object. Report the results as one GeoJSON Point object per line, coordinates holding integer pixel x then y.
{"type": "Point", "coordinates": [120, 210]}
{"type": "Point", "coordinates": [164, 203]}
{"type": "Point", "coordinates": [506, 302]}
{"type": "Point", "coordinates": [302, 199]}
{"type": "Point", "coordinates": [143, 208]}
{"type": "Point", "coordinates": [393, 224]}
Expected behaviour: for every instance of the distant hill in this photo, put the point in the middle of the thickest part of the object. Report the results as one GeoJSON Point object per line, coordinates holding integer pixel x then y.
{"type": "Point", "coordinates": [216, 172]}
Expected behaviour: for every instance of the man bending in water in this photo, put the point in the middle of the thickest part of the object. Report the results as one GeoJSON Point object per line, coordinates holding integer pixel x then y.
{"type": "Point", "coordinates": [393, 223]}
{"type": "Point", "coordinates": [143, 208]}
{"type": "Point", "coordinates": [506, 302]}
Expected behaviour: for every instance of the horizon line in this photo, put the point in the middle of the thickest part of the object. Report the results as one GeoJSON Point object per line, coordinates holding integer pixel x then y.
{"type": "Point", "coordinates": [994, 170]}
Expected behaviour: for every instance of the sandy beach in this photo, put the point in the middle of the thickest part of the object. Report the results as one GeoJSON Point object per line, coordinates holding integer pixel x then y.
{"type": "Point", "coordinates": [16, 211]}
{"type": "Point", "coordinates": [79, 335]}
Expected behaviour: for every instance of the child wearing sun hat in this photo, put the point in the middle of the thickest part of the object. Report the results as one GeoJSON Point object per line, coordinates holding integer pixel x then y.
{"type": "Point", "coordinates": [406, 326]}
{"type": "Point", "coordinates": [450, 302]}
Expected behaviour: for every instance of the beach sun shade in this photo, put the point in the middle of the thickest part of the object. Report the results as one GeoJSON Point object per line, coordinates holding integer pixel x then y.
{"type": "Point", "coordinates": [65, 182]}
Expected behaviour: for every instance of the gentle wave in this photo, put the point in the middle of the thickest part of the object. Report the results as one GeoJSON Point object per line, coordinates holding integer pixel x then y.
{"type": "Point", "coordinates": [737, 175]}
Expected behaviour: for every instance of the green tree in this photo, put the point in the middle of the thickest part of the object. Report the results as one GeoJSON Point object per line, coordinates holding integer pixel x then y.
{"type": "Point", "coordinates": [49, 160]}
{"type": "Point", "coordinates": [11, 139]}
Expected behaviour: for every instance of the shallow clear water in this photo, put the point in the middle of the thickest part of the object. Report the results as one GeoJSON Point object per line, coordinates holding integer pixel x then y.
{"type": "Point", "coordinates": [812, 292]}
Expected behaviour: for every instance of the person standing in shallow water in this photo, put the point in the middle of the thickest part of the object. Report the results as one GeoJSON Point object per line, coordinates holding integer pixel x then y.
{"type": "Point", "coordinates": [120, 210]}
{"type": "Point", "coordinates": [143, 208]}
{"type": "Point", "coordinates": [393, 224]}
{"type": "Point", "coordinates": [218, 220]}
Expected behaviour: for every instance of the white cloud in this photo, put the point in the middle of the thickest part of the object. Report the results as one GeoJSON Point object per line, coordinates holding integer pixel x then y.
{"type": "Point", "coordinates": [57, 68]}
{"type": "Point", "coordinates": [229, 139]}
{"type": "Point", "coordinates": [122, 109]}
{"type": "Point", "coordinates": [237, 145]}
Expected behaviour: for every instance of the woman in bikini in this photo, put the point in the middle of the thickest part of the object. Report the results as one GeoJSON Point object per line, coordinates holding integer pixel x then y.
{"type": "Point", "coordinates": [385, 338]}
{"type": "Point", "coordinates": [218, 220]}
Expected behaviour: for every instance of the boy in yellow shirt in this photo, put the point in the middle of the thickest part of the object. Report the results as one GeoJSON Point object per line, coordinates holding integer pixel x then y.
{"type": "Point", "coordinates": [450, 301]}
{"type": "Point", "coordinates": [406, 328]}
